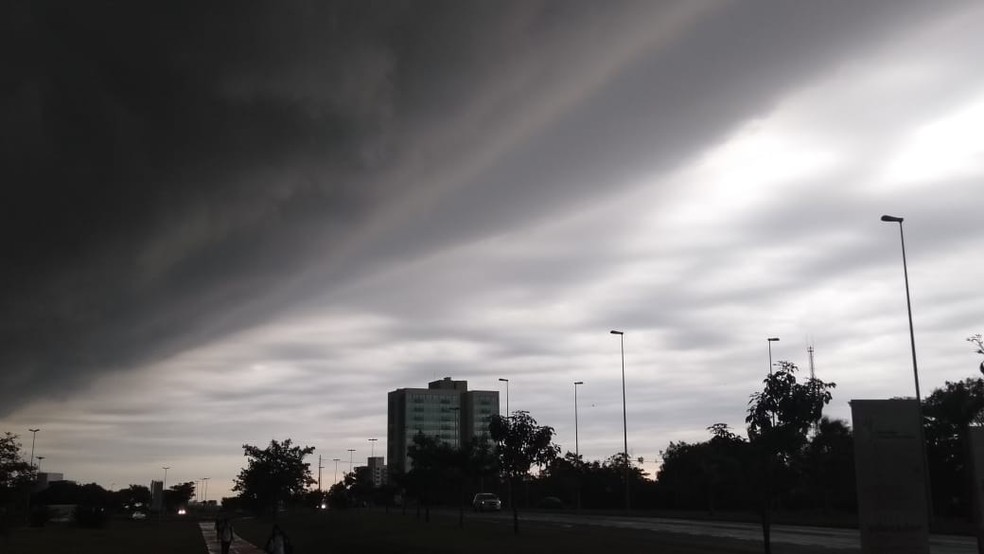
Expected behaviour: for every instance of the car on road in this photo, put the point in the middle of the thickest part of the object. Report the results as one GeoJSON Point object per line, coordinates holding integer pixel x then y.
{"type": "Point", "coordinates": [139, 515]}
{"type": "Point", "coordinates": [486, 501]}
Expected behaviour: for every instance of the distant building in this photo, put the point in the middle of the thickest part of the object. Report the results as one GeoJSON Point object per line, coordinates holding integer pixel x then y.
{"type": "Point", "coordinates": [44, 480]}
{"type": "Point", "coordinates": [445, 410]}
{"type": "Point", "coordinates": [377, 470]}
{"type": "Point", "coordinates": [156, 495]}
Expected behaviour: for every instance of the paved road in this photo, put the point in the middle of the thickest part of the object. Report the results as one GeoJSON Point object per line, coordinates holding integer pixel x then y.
{"type": "Point", "coordinates": [834, 539]}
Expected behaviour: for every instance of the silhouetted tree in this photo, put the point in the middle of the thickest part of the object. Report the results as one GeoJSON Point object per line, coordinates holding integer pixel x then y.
{"type": "Point", "coordinates": [978, 341]}
{"type": "Point", "coordinates": [825, 467]}
{"type": "Point", "coordinates": [779, 420]}
{"type": "Point", "coordinates": [134, 496]}
{"type": "Point", "coordinates": [179, 495]}
{"type": "Point", "coordinates": [521, 443]}
{"type": "Point", "coordinates": [68, 492]}
{"type": "Point", "coordinates": [472, 460]}
{"type": "Point", "coordinates": [273, 474]}
{"type": "Point", "coordinates": [15, 473]}
{"type": "Point", "coordinates": [707, 474]}
{"type": "Point", "coordinates": [429, 463]}
{"type": "Point", "coordinates": [947, 413]}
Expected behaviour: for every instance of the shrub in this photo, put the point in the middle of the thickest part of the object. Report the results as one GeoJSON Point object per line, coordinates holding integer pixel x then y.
{"type": "Point", "coordinates": [92, 517]}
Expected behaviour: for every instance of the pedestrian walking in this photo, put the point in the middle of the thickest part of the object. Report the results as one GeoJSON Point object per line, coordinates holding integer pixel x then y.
{"type": "Point", "coordinates": [226, 534]}
{"type": "Point", "coordinates": [278, 543]}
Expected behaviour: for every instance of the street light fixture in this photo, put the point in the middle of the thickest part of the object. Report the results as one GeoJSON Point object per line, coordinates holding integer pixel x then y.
{"type": "Point", "coordinates": [39, 463]}
{"type": "Point", "coordinates": [372, 450]}
{"type": "Point", "coordinates": [350, 451]}
{"type": "Point", "coordinates": [205, 489]}
{"type": "Point", "coordinates": [506, 381]}
{"type": "Point", "coordinates": [335, 478]}
{"type": "Point", "coordinates": [908, 301]}
{"type": "Point", "coordinates": [770, 341]}
{"type": "Point", "coordinates": [577, 450]}
{"type": "Point", "coordinates": [625, 426]}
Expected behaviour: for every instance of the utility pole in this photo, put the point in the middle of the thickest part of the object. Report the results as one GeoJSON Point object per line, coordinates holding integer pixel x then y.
{"type": "Point", "coordinates": [319, 473]}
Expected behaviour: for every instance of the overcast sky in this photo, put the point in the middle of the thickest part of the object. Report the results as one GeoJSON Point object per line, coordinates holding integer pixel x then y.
{"type": "Point", "coordinates": [229, 224]}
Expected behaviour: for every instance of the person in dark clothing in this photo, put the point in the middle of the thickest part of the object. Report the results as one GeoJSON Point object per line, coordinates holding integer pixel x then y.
{"type": "Point", "coordinates": [226, 534]}
{"type": "Point", "coordinates": [278, 543]}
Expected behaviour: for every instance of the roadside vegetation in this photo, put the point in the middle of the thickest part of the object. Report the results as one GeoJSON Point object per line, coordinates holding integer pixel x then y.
{"type": "Point", "coordinates": [792, 465]}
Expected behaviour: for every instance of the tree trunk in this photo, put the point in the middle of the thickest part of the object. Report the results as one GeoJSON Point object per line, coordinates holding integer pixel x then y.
{"type": "Point", "coordinates": [767, 507]}
{"type": "Point", "coordinates": [512, 500]}
{"type": "Point", "coordinates": [766, 527]}
{"type": "Point", "coordinates": [461, 502]}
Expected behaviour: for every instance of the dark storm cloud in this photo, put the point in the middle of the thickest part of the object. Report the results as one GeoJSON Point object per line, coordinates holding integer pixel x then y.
{"type": "Point", "coordinates": [177, 172]}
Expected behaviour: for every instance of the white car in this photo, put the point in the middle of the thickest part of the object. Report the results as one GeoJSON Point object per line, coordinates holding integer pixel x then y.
{"type": "Point", "coordinates": [139, 515]}
{"type": "Point", "coordinates": [486, 501]}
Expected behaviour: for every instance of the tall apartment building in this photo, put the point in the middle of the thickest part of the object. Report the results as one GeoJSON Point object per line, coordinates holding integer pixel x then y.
{"type": "Point", "coordinates": [377, 470]}
{"type": "Point", "coordinates": [446, 410]}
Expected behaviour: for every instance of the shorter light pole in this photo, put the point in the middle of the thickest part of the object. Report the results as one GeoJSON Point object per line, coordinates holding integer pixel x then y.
{"type": "Point", "coordinates": [335, 478]}
{"type": "Point", "coordinates": [319, 473]}
{"type": "Point", "coordinates": [372, 449]}
{"type": "Point", "coordinates": [39, 463]}
{"type": "Point", "coordinates": [350, 451]}
{"type": "Point", "coordinates": [205, 487]}
{"type": "Point", "coordinates": [506, 381]}
{"type": "Point", "coordinates": [771, 340]}
{"type": "Point", "coordinates": [160, 513]}
{"type": "Point", "coordinates": [577, 450]}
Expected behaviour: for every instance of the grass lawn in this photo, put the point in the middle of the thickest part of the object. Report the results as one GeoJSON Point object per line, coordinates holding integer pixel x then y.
{"type": "Point", "coordinates": [120, 536]}
{"type": "Point", "coordinates": [375, 531]}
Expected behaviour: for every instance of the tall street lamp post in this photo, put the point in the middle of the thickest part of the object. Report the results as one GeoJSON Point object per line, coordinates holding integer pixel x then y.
{"type": "Point", "coordinates": [34, 437]}
{"type": "Point", "coordinates": [350, 451]}
{"type": "Point", "coordinates": [771, 340]}
{"type": "Point", "coordinates": [577, 450]}
{"type": "Point", "coordinates": [205, 489]}
{"type": "Point", "coordinates": [625, 426]}
{"type": "Point", "coordinates": [160, 512]}
{"type": "Point", "coordinates": [372, 450]}
{"type": "Point", "coordinates": [335, 478]}
{"type": "Point", "coordinates": [908, 302]}
{"type": "Point", "coordinates": [915, 374]}
{"type": "Point", "coordinates": [506, 381]}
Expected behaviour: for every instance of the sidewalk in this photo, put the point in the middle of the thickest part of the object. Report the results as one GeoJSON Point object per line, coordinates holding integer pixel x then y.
{"type": "Point", "coordinates": [239, 544]}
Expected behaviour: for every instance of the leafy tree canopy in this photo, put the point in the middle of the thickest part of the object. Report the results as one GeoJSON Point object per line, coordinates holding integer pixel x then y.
{"type": "Point", "coordinates": [273, 474]}
{"type": "Point", "coordinates": [180, 494]}
{"type": "Point", "coordinates": [522, 443]}
{"type": "Point", "coordinates": [15, 473]}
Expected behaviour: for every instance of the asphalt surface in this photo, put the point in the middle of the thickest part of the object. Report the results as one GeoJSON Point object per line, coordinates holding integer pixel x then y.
{"type": "Point", "coordinates": [834, 539]}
